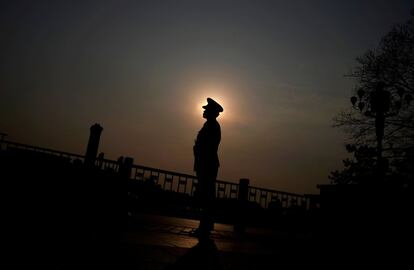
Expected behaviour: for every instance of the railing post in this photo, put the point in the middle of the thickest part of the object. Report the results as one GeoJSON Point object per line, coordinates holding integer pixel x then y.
{"type": "Point", "coordinates": [93, 145]}
{"type": "Point", "coordinates": [125, 168]}
{"type": "Point", "coordinates": [243, 198]}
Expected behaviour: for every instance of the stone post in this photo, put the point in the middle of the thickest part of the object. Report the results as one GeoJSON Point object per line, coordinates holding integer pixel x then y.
{"type": "Point", "coordinates": [93, 145]}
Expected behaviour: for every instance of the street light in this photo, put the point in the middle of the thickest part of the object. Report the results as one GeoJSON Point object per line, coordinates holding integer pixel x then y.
{"type": "Point", "coordinates": [380, 104]}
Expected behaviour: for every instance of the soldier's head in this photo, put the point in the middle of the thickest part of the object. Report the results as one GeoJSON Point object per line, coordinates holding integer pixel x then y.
{"type": "Point", "coordinates": [212, 109]}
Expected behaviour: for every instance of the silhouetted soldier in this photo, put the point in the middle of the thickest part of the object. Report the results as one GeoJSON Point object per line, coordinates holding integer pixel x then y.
{"type": "Point", "coordinates": [206, 164]}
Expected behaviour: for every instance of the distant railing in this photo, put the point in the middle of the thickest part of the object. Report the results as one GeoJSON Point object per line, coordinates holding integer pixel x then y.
{"type": "Point", "coordinates": [179, 182]}
{"type": "Point", "coordinates": [273, 198]}
{"type": "Point", "coordinates": [7, 145]}
{"type": "Point", "coordinates": [168, 180]}
{"type": "Point", "coordinates": [185, 183]}
{"type": "Point", "coordinates": [107, 164]}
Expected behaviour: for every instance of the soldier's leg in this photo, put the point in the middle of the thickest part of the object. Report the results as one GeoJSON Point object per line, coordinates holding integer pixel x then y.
{"type": "Point", "coordinates": [203, 228]}
{"type": "Point", "coordinates": [207, 219]}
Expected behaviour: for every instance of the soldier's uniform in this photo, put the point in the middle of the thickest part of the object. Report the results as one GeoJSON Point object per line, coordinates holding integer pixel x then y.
{"type": "Point", "coordinates": [206, 164]}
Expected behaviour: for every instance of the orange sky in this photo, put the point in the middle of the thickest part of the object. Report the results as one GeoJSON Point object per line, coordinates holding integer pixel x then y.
{"type": "Point", "coordinates": [142, 69]}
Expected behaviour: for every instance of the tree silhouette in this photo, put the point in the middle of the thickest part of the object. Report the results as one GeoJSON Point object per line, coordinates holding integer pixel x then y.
{"type": "Point", "coordinates": [358, 170]}
{"type": "Point", "coordinates": [382, 111]}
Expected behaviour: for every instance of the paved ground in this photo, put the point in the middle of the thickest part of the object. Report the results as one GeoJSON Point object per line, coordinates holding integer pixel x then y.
{"type": "Point", "coordinates": [157, 242]}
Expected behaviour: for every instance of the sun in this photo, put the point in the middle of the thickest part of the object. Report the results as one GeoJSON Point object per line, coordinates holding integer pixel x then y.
{"type": "Point", "coordinates": [223, 94]}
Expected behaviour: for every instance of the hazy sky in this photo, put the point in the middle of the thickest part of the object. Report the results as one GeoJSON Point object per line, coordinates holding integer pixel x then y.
{"type": "Point", "coordinates": [142, 69]}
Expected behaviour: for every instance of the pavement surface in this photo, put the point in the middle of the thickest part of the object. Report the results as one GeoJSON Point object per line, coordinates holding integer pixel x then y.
{"type": "Point", "coordinates": [159, 242]}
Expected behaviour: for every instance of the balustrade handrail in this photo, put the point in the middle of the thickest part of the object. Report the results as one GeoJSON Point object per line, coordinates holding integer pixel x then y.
{"type": "Point", "coordinates": [41, 149]}
{"type": "Point", "coordinates": [141, 167]}
{"type": "Point", "coordinates": [177, 173]}
{"type": "Point", "coordinates": [277, 191]}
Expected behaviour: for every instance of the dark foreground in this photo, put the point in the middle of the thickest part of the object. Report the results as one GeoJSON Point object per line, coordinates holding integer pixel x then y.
{"type": "Point", "coordinates": [156, 242]}
{"type": "Point", "coordinates": [57, 215]}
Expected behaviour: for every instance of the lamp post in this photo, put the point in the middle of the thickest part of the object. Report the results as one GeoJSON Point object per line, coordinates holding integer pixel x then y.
{"type": "Point", "coordinates": [380, 104]}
